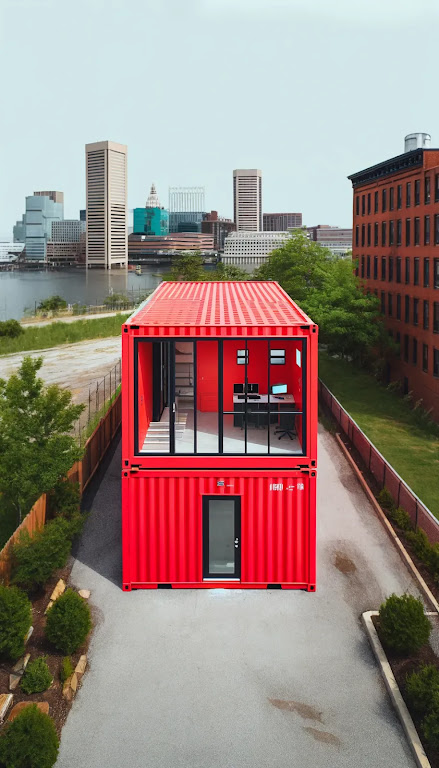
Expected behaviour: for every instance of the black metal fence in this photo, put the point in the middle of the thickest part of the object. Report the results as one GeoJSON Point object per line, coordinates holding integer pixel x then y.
{"type": "Point", "coordinates": [100, 395]}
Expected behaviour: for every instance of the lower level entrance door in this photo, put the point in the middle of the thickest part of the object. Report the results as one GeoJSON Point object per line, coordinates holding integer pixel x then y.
{"type": "Point", "coordinates": [222, 537]}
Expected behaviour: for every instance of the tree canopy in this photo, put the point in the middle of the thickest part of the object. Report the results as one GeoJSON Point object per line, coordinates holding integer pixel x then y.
{"type": "Point", "coordinates": [188, 266]}
{"type": "Point", "coordinates": [37, 446]}
{"type": "Point", "coordinates": [326, 288]}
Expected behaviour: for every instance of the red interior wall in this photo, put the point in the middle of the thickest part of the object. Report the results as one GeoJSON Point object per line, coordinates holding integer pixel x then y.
{"type": "Point", "coordinates": [207, 376]}
{"type": "Point", "coordinates": [144, 392]}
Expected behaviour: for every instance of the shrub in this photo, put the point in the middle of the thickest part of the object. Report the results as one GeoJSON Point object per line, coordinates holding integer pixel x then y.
{"type": "Point", "coordinates": [434, 560]}
{"type": "Point", "coordinates": [37, 677]}
{"type": "Point", "coordinates": [385, 498]}
{"type": "Point", "coordinates": [66, 498]}
{"type": "Point", "coordinates": [11, 328]}
{"type": "Point", "coordinates": [52, 304]}
{"type": "Point", "coordinates": [403, 624]}
{"type": "Point", "coordinates": [37, 557]}
{"type": "Point", "coordinates": [421, 687]}
{"type": "Point", "coordinates": [430, 724]}
{"type": "Point", "coordinates": [68, 622]}
{"type": "Point", "coordinates": [421, 544]}
{"type": "Point", "coordinates": [29, 741]}
{"type": "Point", "coordinates": [66, 669]}
{"type": "Point", "coordinates": [15, 620]}
{"type": "Point", "coordinates": [402, 519]}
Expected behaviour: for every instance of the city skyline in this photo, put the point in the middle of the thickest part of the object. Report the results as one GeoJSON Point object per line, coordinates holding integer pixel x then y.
{"type": "Point", "coordinates": [296, 119]}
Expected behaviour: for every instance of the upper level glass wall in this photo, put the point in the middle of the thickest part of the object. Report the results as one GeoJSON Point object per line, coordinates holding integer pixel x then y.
{"type": "Point", "coordinates": [216, 397]}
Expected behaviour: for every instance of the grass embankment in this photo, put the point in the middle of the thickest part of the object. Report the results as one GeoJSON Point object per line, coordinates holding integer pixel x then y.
{"type": "Point", "coordinates": [63, 333]}
{"type": "Point", "coordinates": [390, 424]}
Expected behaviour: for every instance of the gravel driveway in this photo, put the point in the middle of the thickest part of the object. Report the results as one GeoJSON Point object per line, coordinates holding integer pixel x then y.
{"type": "Point", "coordinates": [240, 679]}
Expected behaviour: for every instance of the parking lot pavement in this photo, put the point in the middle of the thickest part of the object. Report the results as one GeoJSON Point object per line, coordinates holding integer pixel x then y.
{"type": "Point", "coordinates": [240, 679]}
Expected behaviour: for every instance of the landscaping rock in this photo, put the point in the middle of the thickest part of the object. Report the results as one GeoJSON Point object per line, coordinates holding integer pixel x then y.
{"type": "Point", "coordinates": [5, 703]}
{"type": "Point", "coordinates": [29, 632]}
{"type": "Point", "coordinates": [85, 593]}
{"type": "Point", "coordinates": [70, 686]}
{"type": "Point", "coordinates": [43, 706]}
{"type": "Point", "coordinates": [81, 665]}
{"type": "Point", "coordinates": [21, 664]}
{"type": "Point", "coordinates": [59, 589]}
{"type": "Point", "coordinates": [13, 681]}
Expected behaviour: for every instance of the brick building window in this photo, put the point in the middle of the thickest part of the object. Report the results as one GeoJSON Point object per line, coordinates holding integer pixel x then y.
{"type": "Point", "coordinates": [436, 273]}
{"type": "Point", "coordinates": [435, 361]}
{"type": "Point", "coordinates": [436, 317]}
{"type": "Point", "coordinates": [406, 348]}
{"type": "Point", "coordinates": [425, 357]}
{"type": "Point", "coordinates": [391, 198]}
{"type": "Point", "coordinates": [383, 303]}
{"type": "Point", "coordinates": [416, 271]}
{"type": "Point", "coordinates": [390, 269]}
{"type": "Point", "coordinates": [376, 202]}
{"type": "Point", "coordinates": [426, 230]}
{"type": "Point", "coordinates": [415, 352]}
{"type": "Point", "coordinates": [375, 233]}
{"type": "Point", "coordinates": [426, 273]}
{"type": "Point", "coordinates": [406, 309]}
{"type": "Point", "coordinates": [384, 201]}
{"type": "Point", "coordinates": [368, 267]}
{"type": "Point", "coordinates": [398, 269]}
{"type": "Point", "coordinates": [368, 202]}
{"type": "Point", "coordinates": [417, 192]}
{"type": "Point", "coordinates": [357, 234]}
{"type": "Point", "coordinates": [383, 267]}
{"type": "Point", "coordinates": [375, 267]}
{"type": "Point", "coordinates": [390, 304]}
{"type": "Point", "coordinates": [415, 311]}
{"type": "Point", "coordinates": [398, 306]}
{"type": "Point", "coordinates": [427, 190]}
{"type": "Point", "coordinates": [357, 205]}
{"type": "Point", "coordinates": [436, 229]}
{"type": "Point", "coordinates": [407, 270]}
{"type": "Point", "coordinates": [383, 233]}
{"type": "Point", "coordinates": [408, 194]}
{"type": "Point", "coordinates": [399, 232]}
{"type": "Point", "coordinates": [407, 231]}
{"type": "Point", "coordinates": [368, 235]}
{"type": "Point", "coordinates": [417, 233]}
{"type": "Point", "coordinates": [363, 204]}
{"type": "Point", "coordinates": [363, 235]}
{"type": "Point", "coordinates": [362, 266]}
{"type": "Point", "coordinates": [391, 232]}
{"type": "Point", "coordinates": [425, 315]}
{"type": "Point", "coordinates": [399, 196]}
{"type": "Point", "coordinates": [436, 188]}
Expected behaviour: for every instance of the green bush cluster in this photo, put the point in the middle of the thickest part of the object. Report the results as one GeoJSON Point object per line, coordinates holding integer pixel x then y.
{"type": "Point", "coordinates": [404, 627]}
{"type": "Point", "coordinates": [15, 620]}
{"type": "Point", "coordinates": [11, 329]}
{"type": "Point", "coordinates": [29, 741]}
{"type": "Point", "coordinates": [66, 498]}
{"type": "Point", "coordinates": [68, 622]}
{"type": "Point", "coordinates": [422, 690]}
{"type": "Point", "coordinates": [37, 557]}
{"type": "Point", "coordinates": [37, 677]}
{"type": "Point", "coordinates": [66, 669]}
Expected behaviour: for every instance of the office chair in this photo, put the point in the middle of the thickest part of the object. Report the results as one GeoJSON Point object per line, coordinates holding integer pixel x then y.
{"type": "Point", "coordinates": [287, 426]}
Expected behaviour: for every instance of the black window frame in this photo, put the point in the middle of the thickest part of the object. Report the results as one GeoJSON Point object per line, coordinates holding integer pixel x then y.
{"type": "Point", "coordinates": [435, 362]}
{"type": "Point", "coordinates": [399, 232]}
{"type": "Point", "coordinates": [407, 231]}
{"type": "Point", "coordinates": [407, 270]}
{"type": "Point", "coordinates": [427, 230]}
{"type": "Point", "coordinates": [398, 269]}
{"type": "Point", "coordinates": [383, 233]}
{"type": "Point", "coordinates": [398, 306]}
{"type": "Point", "coordinates": [391, 198]}
{"type": "Point", "coordinates": [375, 267]}
{"type": "Point", "coordinates": [406, 309]}
{"type": "Point", "coordinates": [384, 200]}
{"type": "Point", "coordinates": [426, 272]}
{"type": "Point", "coordinates": [376, 202]}
{"type": "Point", "coordinates": [427, 189]}
{"type": "Point", "coordinates": [417, 192]}
{"type": "Point", "coordinates": [436, 188]}
{"type": "Point", "coordinates": [436, 273]}
{"type": "Point", "coordinates": [399, 196]}
{"type": "Point", "coordinates": [408, 194]}
{"type": "Point", "coordinates": [416, 271]}
{"type": "Point", "coordinates": [436, 317]}
{"type": "Point", "coordinates": [383, 268]}
{"type": "Point", "coordinates": [425, 358]}
{"type": "Point", "coordinates": [426, 314]}
{"type": "Point", "coordinates": [391, 232]}
{"type": "Point", "coordinates": [415, 311]}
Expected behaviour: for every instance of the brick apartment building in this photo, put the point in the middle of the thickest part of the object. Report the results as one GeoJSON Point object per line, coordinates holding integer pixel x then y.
{"type": "Point", "coordinates": [396, 243]}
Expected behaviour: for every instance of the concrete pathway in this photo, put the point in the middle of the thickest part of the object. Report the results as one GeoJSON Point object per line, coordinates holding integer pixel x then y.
{"type": "Point", "coordinates": [73, 366]}
{"type": "Point", "coordinates": [240, 679]}
{"type": "Point", "coordinates": [31, 323]}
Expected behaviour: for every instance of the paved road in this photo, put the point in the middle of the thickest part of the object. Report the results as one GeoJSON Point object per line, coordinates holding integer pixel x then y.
{"type": "Point", "coordinates": [74, 366]}
{"type": "Point", "coordinates": [71, 318]}
{"type": "Point", "coordinates": [240, 679]}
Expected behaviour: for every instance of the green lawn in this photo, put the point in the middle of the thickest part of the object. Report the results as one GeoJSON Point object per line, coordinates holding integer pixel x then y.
{"type": "Point", "coordinates": [390, 424]}
{"type": "Point", "coordinates": [63, 333]}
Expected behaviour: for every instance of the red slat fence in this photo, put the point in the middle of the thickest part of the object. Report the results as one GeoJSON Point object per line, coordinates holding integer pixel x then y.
{"type": "Point", "coordinates": [81, 472]}
{"type": "Point", "coordinates": [381, 470]}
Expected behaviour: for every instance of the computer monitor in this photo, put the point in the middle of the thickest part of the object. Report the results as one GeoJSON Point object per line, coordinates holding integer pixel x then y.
{"type": "Point", "coordinates": [279, 389]}
{"type": "Point", "coordinates": [252, 389]}
{"type": "Point", "coordinates": [238, 389]}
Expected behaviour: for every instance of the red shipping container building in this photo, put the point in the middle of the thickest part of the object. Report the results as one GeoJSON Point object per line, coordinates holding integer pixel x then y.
{"type": "Point", "coordinates": [219, 439]}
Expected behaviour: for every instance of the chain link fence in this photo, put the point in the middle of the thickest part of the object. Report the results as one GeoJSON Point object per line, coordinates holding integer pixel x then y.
{"type": "Point", "coordinates": [100, 395]}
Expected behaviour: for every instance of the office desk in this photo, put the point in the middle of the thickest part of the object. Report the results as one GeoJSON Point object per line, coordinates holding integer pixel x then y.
{"type": "Point", "coordinates": [259, 406]}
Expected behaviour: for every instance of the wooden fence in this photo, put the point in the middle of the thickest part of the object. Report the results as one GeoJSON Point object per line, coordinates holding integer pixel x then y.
{"type": "Point", "coordinates": [81, 472]}
{"type": "Point", "coordinates": [383, 472]}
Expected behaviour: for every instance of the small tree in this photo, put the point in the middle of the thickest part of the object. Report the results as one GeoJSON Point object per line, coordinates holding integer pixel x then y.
{"type": "Point", "coordinates": [37, 677]}
{"type": "Point", "coordinates": [66, 669]}
{"type": "Point", "coordinates": [15, 620]}
{"type": "Point", "coordinates": [403, 624]}
{"type": "Point", "coordinates": [30, 741]}
{"type": "Point", "coordinates": [68, 622]}
{"type": "Point", "coordinates": [11, 329]}
{"type": "Point", "coordinates": [187, 267]}
{"type": "Point", "coordinates": [52, 304]}
{"type": "Point", "coordinates": [65, 498]}
{"type": "Point", "coordinates": [422, 687]}
{"type": "Point", "coordinates": [36, 442]}
{"type": "Point", "coordinates": [37, 557]}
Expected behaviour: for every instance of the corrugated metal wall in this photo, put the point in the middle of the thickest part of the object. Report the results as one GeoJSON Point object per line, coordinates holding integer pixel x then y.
{"type": "Point", "coordinates": [162, 528]}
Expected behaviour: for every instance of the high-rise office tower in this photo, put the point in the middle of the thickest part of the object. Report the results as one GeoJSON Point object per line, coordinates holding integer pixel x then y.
{"type": "Point", "coordinates": [106, 201]}
{"type": "Point", "coordinates": [186, 209]}
{"type": "Point", "coordinates": [247, 199]}
{"type": "Point", "coordinates": [42, 209]}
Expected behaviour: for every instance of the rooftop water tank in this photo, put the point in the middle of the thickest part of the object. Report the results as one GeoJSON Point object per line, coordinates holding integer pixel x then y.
{"type": "Point", "coordinates": [417, 141]}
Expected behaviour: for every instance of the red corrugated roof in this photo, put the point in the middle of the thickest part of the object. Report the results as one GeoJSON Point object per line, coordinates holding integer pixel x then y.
{"type": "Point", "coordinates": [219, 304]}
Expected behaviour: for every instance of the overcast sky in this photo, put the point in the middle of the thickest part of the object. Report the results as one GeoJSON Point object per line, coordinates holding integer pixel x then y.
{"type": "Point", "coordinates": [308, 91]}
